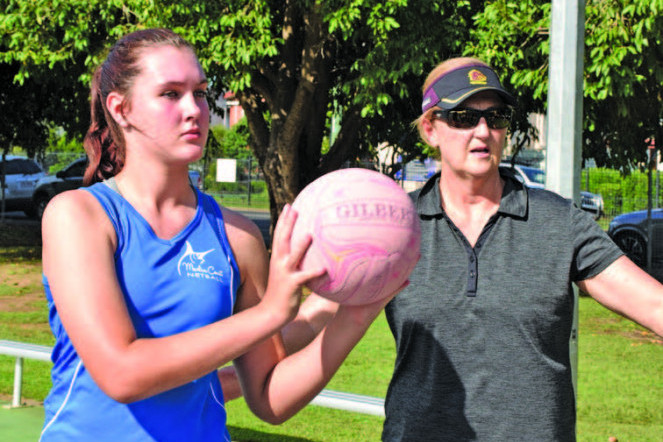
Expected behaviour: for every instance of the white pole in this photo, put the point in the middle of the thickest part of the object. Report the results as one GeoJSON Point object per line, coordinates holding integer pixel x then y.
{"type": "Point", "coordinates": [565, 118]}
{"type": "Point", "coordinates": [18, 382]}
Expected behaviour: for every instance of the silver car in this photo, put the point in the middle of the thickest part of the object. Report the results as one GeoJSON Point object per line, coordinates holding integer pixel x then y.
{"type": "Point", "coordinates": [536, 178]}
{"type": "Point", "coordinates": [20, 178]}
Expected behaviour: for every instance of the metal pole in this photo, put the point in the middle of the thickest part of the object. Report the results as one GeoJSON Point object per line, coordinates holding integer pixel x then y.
{"type": "Point", "coordinates": [249, 190]}
{"type": "Point", "coordinates": [565, 94]}
{"type": "Point", "coordinates": [658, 178]}
{"type": "Point", "coordinates": [18, 382]}
{"type": "Point", "coordinates": [650, 229]}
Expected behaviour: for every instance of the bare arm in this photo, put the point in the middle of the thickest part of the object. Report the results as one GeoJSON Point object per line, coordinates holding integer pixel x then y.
{"type": "Point", "coordinates": [79, 243]}
{"type": "Point", "coordinates": [277, 386]}
{"type": "Point", "coordinates": [628, 290]}
{"type": "Point", "coordinates": [314, 314]}
{"type": "Point", "coordinates": [294, 381]}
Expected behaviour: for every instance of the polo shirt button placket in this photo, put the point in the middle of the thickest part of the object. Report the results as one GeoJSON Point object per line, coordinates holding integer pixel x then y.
{"type": "Point", "coordinates": [472, 274]}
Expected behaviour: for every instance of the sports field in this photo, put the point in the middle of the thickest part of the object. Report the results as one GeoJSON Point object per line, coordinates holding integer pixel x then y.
{"type": "Point", "coordinates": [620, 385]}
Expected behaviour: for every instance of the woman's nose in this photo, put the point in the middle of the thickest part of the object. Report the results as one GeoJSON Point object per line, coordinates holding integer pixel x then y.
{"type": "Point", "coordinates": [482, 128]}
{"type": "Point", "coordinates": [192, 107]}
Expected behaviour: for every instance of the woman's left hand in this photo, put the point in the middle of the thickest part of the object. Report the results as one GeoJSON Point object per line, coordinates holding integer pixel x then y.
{"type": "Point", "coordinates": [286, 276]}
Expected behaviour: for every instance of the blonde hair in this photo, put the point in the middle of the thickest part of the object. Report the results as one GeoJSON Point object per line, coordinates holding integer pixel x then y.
{"type": "Point", "coordinates": [437, 72]}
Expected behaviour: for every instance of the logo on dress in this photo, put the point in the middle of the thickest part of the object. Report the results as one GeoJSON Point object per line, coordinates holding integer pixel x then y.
{"type": "Point", "coordinates": [476, 77]}
{"type": "Point", "coordinates": [192, 265]}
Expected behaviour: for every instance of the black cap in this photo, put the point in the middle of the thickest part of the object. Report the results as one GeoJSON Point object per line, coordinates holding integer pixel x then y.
{"type": "Point", "coordinates": [455, 86]}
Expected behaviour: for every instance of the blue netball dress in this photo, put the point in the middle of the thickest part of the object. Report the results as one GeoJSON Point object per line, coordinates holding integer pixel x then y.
{"type": "Point", "coordinates": [170, 286]}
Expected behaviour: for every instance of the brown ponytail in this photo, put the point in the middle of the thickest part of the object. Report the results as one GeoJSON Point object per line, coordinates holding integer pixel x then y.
{"type": "Point", "coordinates": [105, 156]}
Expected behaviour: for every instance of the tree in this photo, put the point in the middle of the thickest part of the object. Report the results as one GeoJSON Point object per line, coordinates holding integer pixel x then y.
{"type": "Point", "coordinates": [623, 107]}
{"type": "Point", "coordinates": [293, 64]}
{"type": "Point", "coordinates": [297, 64]}
{"type": "Point", "coordinates": [230, 142]}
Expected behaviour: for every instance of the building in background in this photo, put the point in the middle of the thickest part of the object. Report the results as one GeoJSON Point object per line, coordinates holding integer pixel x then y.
{"type": "Point", "coordinates": [232, 112]}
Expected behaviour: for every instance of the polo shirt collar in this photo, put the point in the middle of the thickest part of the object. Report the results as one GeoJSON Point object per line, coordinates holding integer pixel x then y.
{"type": "Point", "coordinates": [514, 200]}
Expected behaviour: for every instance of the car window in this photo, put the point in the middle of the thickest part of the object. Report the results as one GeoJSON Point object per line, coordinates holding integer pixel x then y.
{"type": "Point", "coordinates": [535, 175]}
{"type": "Point", "coordinates": [21, 166]}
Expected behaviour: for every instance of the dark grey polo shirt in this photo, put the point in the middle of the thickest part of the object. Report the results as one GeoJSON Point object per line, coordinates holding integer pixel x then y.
{"type": "Point", "coordinates": [482, 334]}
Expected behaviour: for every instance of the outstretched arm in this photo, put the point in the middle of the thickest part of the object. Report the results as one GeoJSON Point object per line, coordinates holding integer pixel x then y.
{"type": "Point", "coordinates": [625, 288]}
{"type": "Point", "coordinates": [275, 385]}
{"type": "Point", "coordinates": [77, 235]}
{"type": "Point", "coordinates": [314, 313]}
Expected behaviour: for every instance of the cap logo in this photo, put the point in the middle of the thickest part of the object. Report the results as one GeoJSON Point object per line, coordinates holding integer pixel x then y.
{"type": "Point", "coordinates": [476, 77]}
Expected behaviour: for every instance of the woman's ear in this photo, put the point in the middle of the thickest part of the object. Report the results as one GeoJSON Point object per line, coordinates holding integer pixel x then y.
{"type": "Point", "coordinates": [428, 132]}
{"type": "Point", "coordinates": [115, 106]}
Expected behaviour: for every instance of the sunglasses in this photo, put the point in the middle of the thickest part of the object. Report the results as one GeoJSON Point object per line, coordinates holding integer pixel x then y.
{"type": "Point", "coordinates": [496, 118]}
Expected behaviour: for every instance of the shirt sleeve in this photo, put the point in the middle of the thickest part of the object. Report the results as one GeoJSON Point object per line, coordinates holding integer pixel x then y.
{"type": "Point", "coordinates": [594, 250]}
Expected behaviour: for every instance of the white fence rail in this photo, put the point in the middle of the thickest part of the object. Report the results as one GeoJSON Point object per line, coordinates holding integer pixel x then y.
{"type": "Point", "coordinates": [327, 398]}
{"type": "Point", "coordinates": [22, 350]}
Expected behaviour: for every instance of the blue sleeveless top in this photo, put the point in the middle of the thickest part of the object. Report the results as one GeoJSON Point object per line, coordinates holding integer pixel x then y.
{"type": "Point", "coordinates": [170, 286]}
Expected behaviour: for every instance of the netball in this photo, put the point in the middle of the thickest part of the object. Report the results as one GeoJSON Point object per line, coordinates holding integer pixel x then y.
{"type": "Point", "coordinates": [365, 234]}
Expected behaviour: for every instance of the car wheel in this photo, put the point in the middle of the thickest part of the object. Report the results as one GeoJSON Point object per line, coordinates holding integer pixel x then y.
{"type": "Point", "coordinates": [40, 205]}
{"type": "Point", "coordinates": [633, 245]}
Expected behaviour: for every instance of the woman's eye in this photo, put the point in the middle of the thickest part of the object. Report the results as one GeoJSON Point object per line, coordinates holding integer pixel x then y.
{"type": "Point", "coordinates": [201, 94]}
{"type": "Point", "coordinates": [170, 94]}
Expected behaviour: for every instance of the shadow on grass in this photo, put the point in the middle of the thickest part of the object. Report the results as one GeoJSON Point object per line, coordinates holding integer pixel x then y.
{"type": "Point", "coordinates": [246, 435]}
{"type": "Point", "coordinates": [14, 234]}
{"type": "Point", "coordinates": [19, 253]}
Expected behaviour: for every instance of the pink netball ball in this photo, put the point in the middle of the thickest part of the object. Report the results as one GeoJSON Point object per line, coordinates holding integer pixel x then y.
{"type": "Point", "coordinates": [365, 234]}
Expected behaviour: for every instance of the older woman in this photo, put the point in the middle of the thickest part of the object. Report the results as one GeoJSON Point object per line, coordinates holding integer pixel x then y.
{"type": "Point", "coordinates": [482, 332]}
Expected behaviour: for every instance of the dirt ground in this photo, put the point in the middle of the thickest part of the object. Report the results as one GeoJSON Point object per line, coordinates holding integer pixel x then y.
{"type": "Point", "coordinates": [24, 279]}
{"type": "Point", "coordinates": [20, 272]}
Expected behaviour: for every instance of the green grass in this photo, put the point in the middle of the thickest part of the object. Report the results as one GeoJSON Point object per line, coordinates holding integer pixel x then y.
{"type": "Point", "coordinates": [620, 383]}
{"type": "Point", "coordinates": [620, 378]}
{"type": "Point", "coordinates": [260, 201]}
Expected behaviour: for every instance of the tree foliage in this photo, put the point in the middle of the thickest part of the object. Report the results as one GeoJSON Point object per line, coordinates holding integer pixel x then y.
{"type": "Point", "coordinates": [231, 142]}
{"type": "Point", "coordinates": [296, 65]}
{"type": "Point", "coordinates": [293, 64]}
{"type": "Point", "coordinates": [623, 69]}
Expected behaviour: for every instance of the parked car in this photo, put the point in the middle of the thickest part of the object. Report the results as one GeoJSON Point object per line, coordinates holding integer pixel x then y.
{"type": "Point", "coordinates": [71, 177]}
{"type": "Point", "coordinates": [529, 176]}
{"type": "Point", "coordinates": [536, 178]}
{"type": "Point", "coordinates": [629, 231]}
{"type": "Point", "coordinates": [591, 202]}
{"type": "Point", "coordinates": [21, 176]}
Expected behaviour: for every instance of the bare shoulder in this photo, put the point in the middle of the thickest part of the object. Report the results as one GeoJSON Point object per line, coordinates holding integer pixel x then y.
{"type": "Point", "coordinates": [76, 216]}
{"type": "Point", "coordinates": [77, 206]}
{"type": "Point", "coordinates": [244, 236]}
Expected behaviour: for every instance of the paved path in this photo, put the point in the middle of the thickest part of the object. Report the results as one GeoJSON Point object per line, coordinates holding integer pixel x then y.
{"type": "Point", "coordinates": [20, 424]}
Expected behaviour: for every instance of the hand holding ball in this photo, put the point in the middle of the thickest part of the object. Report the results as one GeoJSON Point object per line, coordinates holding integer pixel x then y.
{"type": "Point", "coordinates": [365, 233]}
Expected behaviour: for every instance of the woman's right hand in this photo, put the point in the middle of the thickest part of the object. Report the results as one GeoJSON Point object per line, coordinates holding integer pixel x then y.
{"type": "Point", "coordinates": [286, 277]}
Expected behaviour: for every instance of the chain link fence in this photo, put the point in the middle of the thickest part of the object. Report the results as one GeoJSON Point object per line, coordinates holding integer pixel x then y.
{"type": "Point", "coordinates": [620, 194]}
{"type": "Point", "coordinates": [248, 190]}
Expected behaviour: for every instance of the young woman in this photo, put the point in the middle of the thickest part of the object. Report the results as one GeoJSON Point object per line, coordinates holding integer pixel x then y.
{"type": "Point", "coordinates": [152, 286]}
